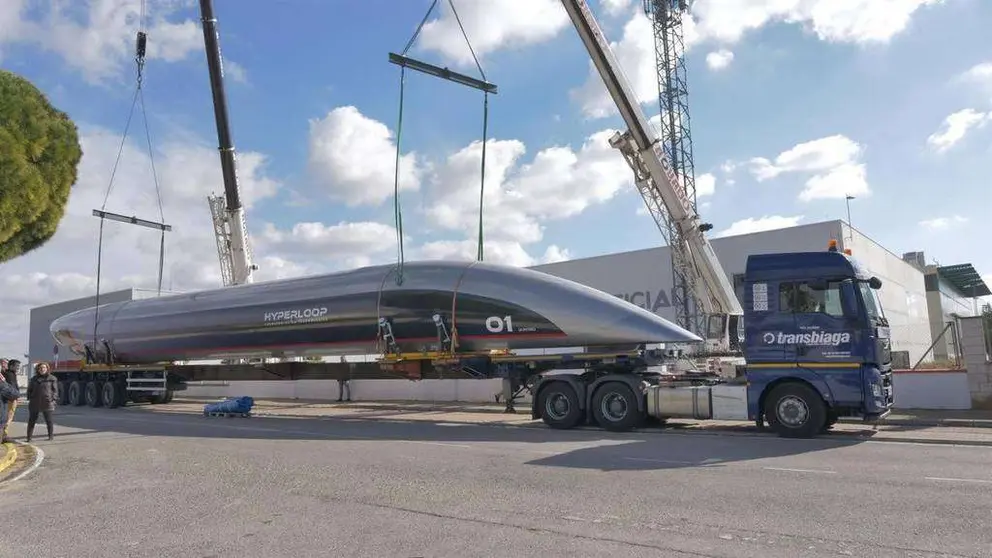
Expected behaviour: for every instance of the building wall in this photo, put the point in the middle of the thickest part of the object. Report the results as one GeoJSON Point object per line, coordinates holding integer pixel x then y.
{"type": "Point", "coordinates": [644, 277]}
{"type": "Point", "coordinates": [903, 293]}
{"type": "Point", "coordinates": [945, 303]}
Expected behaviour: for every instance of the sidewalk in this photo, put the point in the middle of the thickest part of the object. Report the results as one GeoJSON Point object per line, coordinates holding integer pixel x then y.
{"type": "Point", "coordinates": [949, 417]}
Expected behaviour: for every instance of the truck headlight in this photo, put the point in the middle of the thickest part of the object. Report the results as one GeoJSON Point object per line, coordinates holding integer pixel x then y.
{"type": "Point", "coordinates": [876, 390]}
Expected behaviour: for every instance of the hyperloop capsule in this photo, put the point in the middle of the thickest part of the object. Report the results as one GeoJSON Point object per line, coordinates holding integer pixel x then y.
{"type": "Point", "coordinates": [362, 310]}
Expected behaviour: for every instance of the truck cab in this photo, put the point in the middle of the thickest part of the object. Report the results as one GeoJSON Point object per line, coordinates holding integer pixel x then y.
{"type": "Point", "coordinates": [814, 320]}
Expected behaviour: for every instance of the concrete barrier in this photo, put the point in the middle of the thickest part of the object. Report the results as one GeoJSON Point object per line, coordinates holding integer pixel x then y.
{"type": "Point", "coordinates": [467, 391]}
{"type": "Point", "coordinates": [913, 389]}
{"type": "Point", "coordinates": [931, 389]}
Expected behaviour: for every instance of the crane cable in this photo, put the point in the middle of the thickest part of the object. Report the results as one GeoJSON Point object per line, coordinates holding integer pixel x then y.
{"type": "Point", "coordinates": [139, 60]}
{"type": "Point", "coordinates": [397, 211]}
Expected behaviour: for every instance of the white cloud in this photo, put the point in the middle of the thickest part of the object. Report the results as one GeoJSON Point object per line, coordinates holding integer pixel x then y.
{"type": "Point", "coordinates": [834, 162]}
{"type": "Point", "coordinates": [491, 25]}
{"type": "Point", "coordinates": [943, 223]}
{"type": "Point", "coordinates": [705, 185]}
{"type": "Point", "coordinates": [725, 22]}
{"type": "Point", "coordinates": [615, 7]}
{"type": "Point", "coordinates": [344, 245]}
{"type": "Point", "coordinates": [719, 59]}
{"type": "Point", "coordinates": [766, 223]}
{"type": "Point", "coordinates": [635, 53]}
{"type": "Point", "coordinates": [188, 169]}
{"type": "Point", "coordinates": [847, 21]}
{"type": "Point", "coordinates": [979, 74]}
{"type": "Point", "coordinates": [352, 158]}
{"type": "Point", "coordinates": [519, 198]}
{"type": "Point", "coordinates": [235, 71]}
{"type": "Point", "coordinates": [96, 37]}
{"type": "Point", "coordinates": [502, 251]}
{"type": "Point", "coordinates": [955, 127]}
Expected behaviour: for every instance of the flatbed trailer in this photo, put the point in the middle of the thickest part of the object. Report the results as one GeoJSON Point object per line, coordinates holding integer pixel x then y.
{"type": "Point", "coordinates": [615, 390]}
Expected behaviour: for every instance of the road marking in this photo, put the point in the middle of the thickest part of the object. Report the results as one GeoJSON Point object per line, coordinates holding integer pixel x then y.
{"type": "Point", "coordinates": [799, 470]}
{"type": "Point", "coordinates": [703, 463]}
{"type": "Point", "coordinates": [433, 443]}
{"type": "Point", "coordinates": [947, 479]}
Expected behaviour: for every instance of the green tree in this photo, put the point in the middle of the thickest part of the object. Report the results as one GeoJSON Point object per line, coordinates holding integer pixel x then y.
{"type": "Point", "coordinates": [39, 156]}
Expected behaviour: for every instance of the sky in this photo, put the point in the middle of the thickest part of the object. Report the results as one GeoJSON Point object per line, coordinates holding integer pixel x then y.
{"type": "Point", "coordinates": [794, 105]}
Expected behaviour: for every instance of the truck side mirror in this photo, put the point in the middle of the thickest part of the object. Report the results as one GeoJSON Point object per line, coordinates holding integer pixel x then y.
{"type": "Point", "coordinates": [849, 300]}
{"type": "Point", "coordinates": [875, 283]}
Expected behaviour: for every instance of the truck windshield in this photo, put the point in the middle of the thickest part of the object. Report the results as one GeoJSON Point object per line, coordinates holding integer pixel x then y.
{"type": "Point", "coordinates": [872, 305]}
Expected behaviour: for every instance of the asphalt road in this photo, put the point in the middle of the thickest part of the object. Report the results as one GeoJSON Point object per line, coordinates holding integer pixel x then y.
{"type": "Point", "coordinates": [127, 482]}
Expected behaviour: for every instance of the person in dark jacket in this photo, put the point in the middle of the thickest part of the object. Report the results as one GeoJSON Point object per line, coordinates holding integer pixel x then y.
{"type": "Point", "coordinates": [9, 370]}
{"type": "Point", "coordinates": [9, 376]}
{"type": "Point", "coordinates": [43, 392]}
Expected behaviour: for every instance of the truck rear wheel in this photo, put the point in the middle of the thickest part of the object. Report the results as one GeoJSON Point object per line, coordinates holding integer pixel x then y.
{"type": "Point", "coordinates": [614, 407]}
{"type": "Point", "coordinates": [76, 398]}
{"type": "Point", "coordinates": [795, 410]}
{"type": "Point", "coordinates": [113, 395]}
{"type": "Point", "coordinates": [92, 394]}
{"type": "Point", "coordinates": [559, 406]}
{"type": "Point", "coordinates": [63, 394]}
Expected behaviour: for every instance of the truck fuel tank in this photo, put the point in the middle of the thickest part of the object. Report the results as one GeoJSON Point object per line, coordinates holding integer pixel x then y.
{"type": "Point", "coordinates": [718, 402]}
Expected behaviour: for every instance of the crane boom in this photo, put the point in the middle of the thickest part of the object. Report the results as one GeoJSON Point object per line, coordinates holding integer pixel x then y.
{"type": "Point", "coordinates": [230, 227]}
{"type": "Point", "coordinates": [659, 186]}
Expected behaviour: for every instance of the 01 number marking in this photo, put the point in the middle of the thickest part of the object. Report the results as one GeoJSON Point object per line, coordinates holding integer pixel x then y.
{"type": "Point", "coordinates": [495, 324]}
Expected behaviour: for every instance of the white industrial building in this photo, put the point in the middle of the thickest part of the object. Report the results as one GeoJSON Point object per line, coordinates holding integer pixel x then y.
{"type": "Point", "coordinates": [919, 300]}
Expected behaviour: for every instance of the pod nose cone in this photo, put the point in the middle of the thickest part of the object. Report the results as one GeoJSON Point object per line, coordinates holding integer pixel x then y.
{"type": "Point", "coordinates": [648, 327]}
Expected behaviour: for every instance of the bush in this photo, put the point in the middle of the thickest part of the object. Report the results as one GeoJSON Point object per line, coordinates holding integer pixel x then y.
{"type": "Point", "coordinates": [39, 156]}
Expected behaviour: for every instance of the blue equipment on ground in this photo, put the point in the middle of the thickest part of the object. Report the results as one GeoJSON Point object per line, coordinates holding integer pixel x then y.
{"type": "Point", "coordinates": [235, 405]}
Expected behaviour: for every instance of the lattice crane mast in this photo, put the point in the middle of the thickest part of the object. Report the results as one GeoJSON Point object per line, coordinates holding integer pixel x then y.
{"type": "Point", "coordinates": [672, 206]}
{"type": "Point", "coordinates": [666, 17]}
{"type": "Point", "coordinates": [230, 227]}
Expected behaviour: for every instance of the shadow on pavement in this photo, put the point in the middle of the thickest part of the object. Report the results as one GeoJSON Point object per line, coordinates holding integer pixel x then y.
{"type": "Point", "coordinates": [648, 449]}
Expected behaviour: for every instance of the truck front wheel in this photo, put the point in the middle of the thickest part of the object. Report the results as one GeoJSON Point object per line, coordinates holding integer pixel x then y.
{"type": "Point", "coordinates": [559, 405]}
{"type": "Point", "coordinates": [615, 407]}
{"type": "Point", "coordinates": [795, 410]}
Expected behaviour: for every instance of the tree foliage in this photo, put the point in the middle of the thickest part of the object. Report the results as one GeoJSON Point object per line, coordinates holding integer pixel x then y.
{"type": "Point", "coordinates": [39, 156]}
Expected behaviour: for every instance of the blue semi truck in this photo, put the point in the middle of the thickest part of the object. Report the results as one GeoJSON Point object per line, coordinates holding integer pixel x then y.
{"type": "Point", "coordinates": [816, 345]}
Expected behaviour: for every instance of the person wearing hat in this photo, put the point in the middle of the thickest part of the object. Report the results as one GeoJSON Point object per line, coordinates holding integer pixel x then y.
{"type": "Point", "coordinates": [43, 392]}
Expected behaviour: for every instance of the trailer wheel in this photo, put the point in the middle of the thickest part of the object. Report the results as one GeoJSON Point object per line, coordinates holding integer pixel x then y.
{"type": "Point", "coordinates": [93, 394]}
{"type": "Point", "coordinates": [111, 395]}
{"type": "Point", "coordinates": [614, 407]}
{"type": "Point", "coordinates": [76, 398]}
{"type": "Point", "coordinates": [63, 394]}
{"type": "Point", "coordinates": [559, 406]}
{"type": "Point", "coordinates": [795, 410]}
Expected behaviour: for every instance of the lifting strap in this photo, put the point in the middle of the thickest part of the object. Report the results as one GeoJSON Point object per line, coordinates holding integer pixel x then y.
{"type": "Point", "coordinates": [139, 59]}
{"type": "Point", "coordinates": [403, 61]}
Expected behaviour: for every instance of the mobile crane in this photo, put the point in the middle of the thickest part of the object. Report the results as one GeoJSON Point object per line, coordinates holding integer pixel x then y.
{"type": "Point", "coordinates": [227, 212]}
{"type": "Point", "coordinates": [659, 187]}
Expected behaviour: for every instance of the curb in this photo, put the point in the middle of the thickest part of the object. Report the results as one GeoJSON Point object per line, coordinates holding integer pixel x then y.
{"type": "Point", "coordinates": [9, 457]}
{"type": "Point", "coordinates": [960, 423]}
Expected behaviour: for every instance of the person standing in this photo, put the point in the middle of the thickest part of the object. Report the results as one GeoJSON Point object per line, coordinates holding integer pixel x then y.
{"type": "Point", "coordinates": [9, 371]}
{"type": "Point", "coordinates": [43, 392]}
